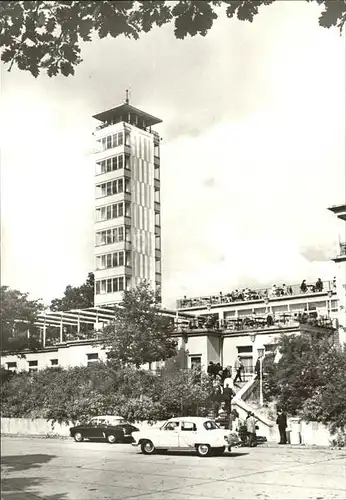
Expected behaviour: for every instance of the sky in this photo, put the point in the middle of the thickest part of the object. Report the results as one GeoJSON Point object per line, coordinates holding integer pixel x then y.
{"type": "Point", "coordinates": [253, 153]}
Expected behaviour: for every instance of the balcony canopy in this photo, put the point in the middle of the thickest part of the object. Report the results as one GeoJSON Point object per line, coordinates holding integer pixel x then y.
{"type": "Point", "coordinates": [123, 112]}
{"type": "Point", "coordinates": [90, 316]}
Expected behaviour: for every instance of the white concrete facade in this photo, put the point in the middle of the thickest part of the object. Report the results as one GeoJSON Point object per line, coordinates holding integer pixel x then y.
{"type": "Point", "coordinates": [200, 348]}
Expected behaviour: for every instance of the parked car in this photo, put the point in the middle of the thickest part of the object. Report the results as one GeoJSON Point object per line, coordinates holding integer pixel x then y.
{"type": "Point", "coordinates": [184, 433]}
{"type": "Point", "coordinates": [113, 429]}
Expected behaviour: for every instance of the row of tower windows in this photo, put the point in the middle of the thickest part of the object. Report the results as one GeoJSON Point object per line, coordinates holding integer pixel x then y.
{"type": "Point", "coordinates": [111, 285]}
{"type": "Point", "coordinates": [113, 211]}
{"type": "Point", "coordinates": [115, 259]}
{"type": "Point", "coordinates": [113, 163]}
{"type": "Point", "coordinates": [112, 187]}
{"type": "Point", "coordinates": [113, 235]}
{"type": "Point", "coordinates": [115, 140]}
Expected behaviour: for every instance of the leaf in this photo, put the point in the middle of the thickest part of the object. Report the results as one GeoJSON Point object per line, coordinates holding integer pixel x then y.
{"type": "Point", "coordinates": [8, 55]}
{"type": "Point", "coordinates": [53, 70]}
{"type": "Point", "coordinates": [334, 14]}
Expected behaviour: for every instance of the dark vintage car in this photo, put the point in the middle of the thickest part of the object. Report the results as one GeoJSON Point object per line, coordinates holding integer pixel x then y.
{"type": "Point", "coordinates": [110, 428]}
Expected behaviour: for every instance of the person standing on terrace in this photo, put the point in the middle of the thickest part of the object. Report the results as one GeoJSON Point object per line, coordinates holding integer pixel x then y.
{"type": "Point", "coordinates": [303, 286]}
{"type": "Point", "coordinates": [319, 285]}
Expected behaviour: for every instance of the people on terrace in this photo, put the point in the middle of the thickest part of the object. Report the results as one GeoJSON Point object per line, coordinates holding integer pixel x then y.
{"type": "Point", "coordinates": [248, 294]}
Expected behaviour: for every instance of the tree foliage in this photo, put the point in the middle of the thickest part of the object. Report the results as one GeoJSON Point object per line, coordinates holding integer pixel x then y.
{"type": "Point", "coordinates": [46, 36]}
{"type": "Point", "coordinates": [309, 379]}
{"type": "Point", "coordinates": [139, 333]}
{"type": "Point", "coordinates": [76, 297]}
{"type": "Point", "coordinates": [18, 315]}
{"type": "Point", "coordinates": [76, 394]}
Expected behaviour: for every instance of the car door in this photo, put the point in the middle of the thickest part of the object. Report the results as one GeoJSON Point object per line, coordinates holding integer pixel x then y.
{"type": "Point", "coordinates": [102, 429]}
{"type": "Point", "coordinates": [187, 434]}
{"type": "Point", "coordinates": [169, 435]}
{"type": "Point", "coordinates": [94, 429]}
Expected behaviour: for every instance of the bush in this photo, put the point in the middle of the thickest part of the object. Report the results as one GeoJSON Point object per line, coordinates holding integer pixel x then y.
{"type": "Point", "coordinates": [76, 394]}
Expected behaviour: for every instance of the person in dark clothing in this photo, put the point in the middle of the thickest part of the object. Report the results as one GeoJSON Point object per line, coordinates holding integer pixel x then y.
{"type": "Point", "coordinates": [282, 425]}
{"type": "Point", "coordinates": [218, 368]}
{"type": "Point", "coordinates": [303, 286]}
{"type": "Point", "coordinates": [227, 373]}
{"type": "Point", "coordinates": [228, 394]}
{"type": "Point", "coordinates": [211, 369]}
{"type": "Point", "coordinates": [270, 321]}
{"type": "Point", "coordinates": [243, 433]}
{"type": "Point", "coordinates": [258, 368]}
{"type": "Point", "coordinates": [319, 285]}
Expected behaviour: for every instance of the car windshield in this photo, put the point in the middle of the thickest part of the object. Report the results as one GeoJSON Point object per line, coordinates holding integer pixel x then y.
{"type": "Point", "coordinates": [210, 425]}
{"type": "Point", "coordinates": [171, 426]}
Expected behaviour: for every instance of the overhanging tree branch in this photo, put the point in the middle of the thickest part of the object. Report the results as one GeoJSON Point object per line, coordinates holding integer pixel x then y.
{"type": "Point", "coordinates": [46, 36]}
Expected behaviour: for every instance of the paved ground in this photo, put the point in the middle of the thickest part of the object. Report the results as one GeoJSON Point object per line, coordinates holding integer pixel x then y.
{"type": "Point", "coordinates": [53, 469]}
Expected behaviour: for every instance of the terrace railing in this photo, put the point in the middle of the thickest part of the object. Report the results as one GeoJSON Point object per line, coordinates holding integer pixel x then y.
{"type": "Point", "coordinates": [251, 295]}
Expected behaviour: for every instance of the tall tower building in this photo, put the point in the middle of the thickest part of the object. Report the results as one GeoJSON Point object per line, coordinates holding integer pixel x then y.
{"type": "Point", "coordinates": [127, 202]}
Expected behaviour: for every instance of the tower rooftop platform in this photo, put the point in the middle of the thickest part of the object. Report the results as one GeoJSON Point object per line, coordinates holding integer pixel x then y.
{"type": "Point", "coordinates": [339, 211]}
{"type": "Point", "coordinates": [123, 111]}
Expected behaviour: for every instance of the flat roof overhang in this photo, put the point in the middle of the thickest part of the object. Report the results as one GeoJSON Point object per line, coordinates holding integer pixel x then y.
{"type": "Point", "coordinates": [125, 109]}
{"type": "Point", "coordinates": [339, 210]}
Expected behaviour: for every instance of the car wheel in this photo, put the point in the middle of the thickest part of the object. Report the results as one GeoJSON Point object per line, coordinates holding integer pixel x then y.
{"type": "Point", "coordinates": [111, 438]}
{"type": "Point", "coordinates": [147, 447]}
{"type": "Point", "coordinates": [203, 450]}
{"type": "Point", "coordinates": [78, 437]}
{"type": "Point", "coordinates": [218, 451]}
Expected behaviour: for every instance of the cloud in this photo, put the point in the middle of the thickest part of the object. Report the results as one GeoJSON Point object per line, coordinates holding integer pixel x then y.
{"type": "Point", "coordinates": [317, 253]}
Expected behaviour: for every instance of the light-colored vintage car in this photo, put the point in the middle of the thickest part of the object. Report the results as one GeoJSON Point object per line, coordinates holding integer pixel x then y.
{"type": "Point", "coordinates": [184, 433]}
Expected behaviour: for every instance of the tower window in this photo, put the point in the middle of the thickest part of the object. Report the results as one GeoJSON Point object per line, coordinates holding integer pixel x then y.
{"type": "Point", "coordinates": [110, 188]}
{"type": "Point", "coordinates": [112, 141]}
{"type": "Point", "coordinates": [110, 164]}
{"type": "Point", "coordinates": [113, 211]}
{"type": "Point", "coordinates": [109, 236]}
{"type": "Point", "coordinates": [110, 260]}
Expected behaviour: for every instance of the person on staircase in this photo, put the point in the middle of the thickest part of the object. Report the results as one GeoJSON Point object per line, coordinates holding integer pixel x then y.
{"type": "Point", "coordinates": [227, 374]}
{"type": "Point", "coordinates": [239, 367]}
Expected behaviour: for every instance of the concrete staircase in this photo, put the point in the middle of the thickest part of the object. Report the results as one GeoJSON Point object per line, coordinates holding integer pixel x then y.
{"type": "Point", "coordinates": [266, 425]}
{"type": "Point", "coordinates": [242, 402]}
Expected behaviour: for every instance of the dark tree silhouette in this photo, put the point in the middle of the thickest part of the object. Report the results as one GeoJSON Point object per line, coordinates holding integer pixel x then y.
{"type": "Point", "coordinates": [76, 297]}
{"type": "Point", "coordinates": [17, 317]}
{"type": "Point", "coordinates": [46, 36]}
